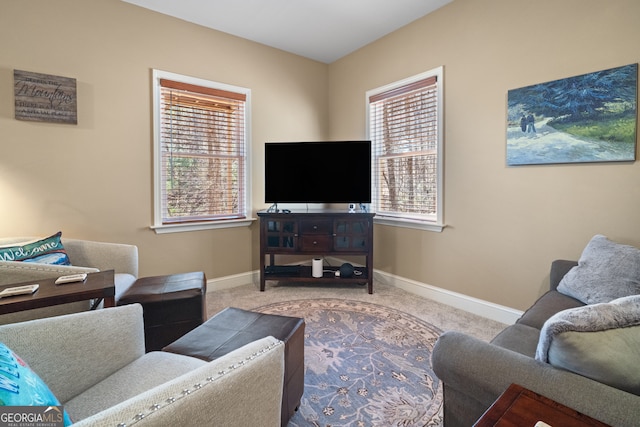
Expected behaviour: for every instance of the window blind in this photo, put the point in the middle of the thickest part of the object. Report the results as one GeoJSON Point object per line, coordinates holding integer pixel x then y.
{"type": "Point", "coordinates": [404, 132]}
{"type": "Point", "coordinates": [202, 145]}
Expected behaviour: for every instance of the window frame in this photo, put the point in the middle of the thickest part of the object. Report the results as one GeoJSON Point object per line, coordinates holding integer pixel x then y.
{"type": "Point", "coordinates": [409, 221]}
{"type": "Point", "coordinates": [158, 226]}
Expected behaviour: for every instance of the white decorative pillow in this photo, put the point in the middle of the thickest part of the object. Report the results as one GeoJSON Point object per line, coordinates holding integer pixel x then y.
{"type": "Point", "coordinates": [606, 271]}
{"type": "Point", "coordinates": [599, 341]}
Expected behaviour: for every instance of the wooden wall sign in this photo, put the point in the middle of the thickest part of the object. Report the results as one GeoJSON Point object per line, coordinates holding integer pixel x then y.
{"type": "Point", "coordinates": [45, 98]}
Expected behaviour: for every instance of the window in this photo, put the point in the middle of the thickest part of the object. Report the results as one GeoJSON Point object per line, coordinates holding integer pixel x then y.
{"type": "Point", "coordinates": [405, 128]}
{"type": "Point", "coordinates": [200, 153]}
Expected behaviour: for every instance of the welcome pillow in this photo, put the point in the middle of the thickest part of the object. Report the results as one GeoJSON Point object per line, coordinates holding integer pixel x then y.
{"type": "Point", "coordinates": [20, 386]}
{"type": "Point", "coordinates": [606, 271]}
{"type": "Point", "coordinates": [47, 251]}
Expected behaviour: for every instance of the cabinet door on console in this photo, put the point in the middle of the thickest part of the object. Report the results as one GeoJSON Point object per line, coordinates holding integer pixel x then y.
{"type": "Point", "coordinates": [281, 234]}
{"type": "Point", "coordinates": [351, 235]}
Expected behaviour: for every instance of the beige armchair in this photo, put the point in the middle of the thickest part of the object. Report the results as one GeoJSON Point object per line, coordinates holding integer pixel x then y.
{"type": "Point", "coordinates": [105, 378]}
{"type": "Point", "coordinates": [86, 257]}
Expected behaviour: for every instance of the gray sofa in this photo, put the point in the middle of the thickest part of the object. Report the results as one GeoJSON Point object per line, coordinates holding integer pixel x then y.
{"type": "Point", "coordinates": [86, 257]}
{"type": "Point", "coordinates": [474, 373]}
{"type": "Point", "coordinates": [95, 364]}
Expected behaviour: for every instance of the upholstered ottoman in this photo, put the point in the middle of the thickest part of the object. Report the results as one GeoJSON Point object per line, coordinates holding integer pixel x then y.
{"type": "Point", "coordinates": [232, 328]}
{"type": "Point", "coordinates": [172, 306]}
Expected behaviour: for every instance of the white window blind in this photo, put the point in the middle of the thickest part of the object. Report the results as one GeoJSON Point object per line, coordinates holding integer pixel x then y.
{"type": "Point", "coordinates": [202, 153]}
{"type": "Point", "coordinates": [404, 129]}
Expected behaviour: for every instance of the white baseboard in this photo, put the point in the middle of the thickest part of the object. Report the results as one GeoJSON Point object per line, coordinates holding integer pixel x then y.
{"type": "Point", "coordinates": [473, 305]}
{"type": "Point", "coordinates": [233, 281]}
{"type": "Point", "coordinates": [499, 313]}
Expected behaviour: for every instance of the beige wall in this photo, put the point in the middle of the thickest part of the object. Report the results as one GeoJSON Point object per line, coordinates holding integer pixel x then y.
{"type": "Point", "coordinates": [94, 180]}
{"type": "Point", "coordinates": [504, 224]}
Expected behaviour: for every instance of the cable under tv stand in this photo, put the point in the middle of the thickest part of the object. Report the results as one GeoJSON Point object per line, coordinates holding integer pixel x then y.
{"type": "Point", "coordinates": [315, 233]}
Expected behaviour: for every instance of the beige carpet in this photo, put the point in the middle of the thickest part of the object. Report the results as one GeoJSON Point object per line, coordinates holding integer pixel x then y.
{"type": "Point", "coordinates": [439, 315]}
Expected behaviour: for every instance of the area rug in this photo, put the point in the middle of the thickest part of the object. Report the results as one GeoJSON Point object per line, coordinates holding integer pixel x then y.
{"type": "Point", "coordinates": [365, 365]}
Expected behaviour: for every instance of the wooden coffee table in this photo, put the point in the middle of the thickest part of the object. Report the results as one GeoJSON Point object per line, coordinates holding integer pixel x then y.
{"type": "Point", "coordinates": [518, 407]}
{"type": "Point", "coordinates": [98, 286]}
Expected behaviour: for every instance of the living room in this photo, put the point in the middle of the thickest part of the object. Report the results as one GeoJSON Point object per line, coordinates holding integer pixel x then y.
{"type": "Point", "coordinates": [503, 225]}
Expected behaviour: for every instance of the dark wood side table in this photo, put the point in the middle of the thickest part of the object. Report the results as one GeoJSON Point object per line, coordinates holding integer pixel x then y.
{"type": "Point", "coordinates": [100, 285]}
{"type": "Point", "coordinates": [520, 407]}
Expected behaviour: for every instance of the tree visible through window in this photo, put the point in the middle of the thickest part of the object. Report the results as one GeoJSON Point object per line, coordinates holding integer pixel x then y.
{"type": "Point", "coordinates": [404, 127]}
{"type": "Point", "coordinates": [201, 141]}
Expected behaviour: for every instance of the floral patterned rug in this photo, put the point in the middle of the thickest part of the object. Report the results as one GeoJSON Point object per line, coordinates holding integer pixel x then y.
{"type": "Point", "coordinates": [365, 365]}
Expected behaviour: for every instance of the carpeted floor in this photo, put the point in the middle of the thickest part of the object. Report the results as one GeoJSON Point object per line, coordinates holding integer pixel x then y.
{"type": "Point", "coordinates": [365, 365]}
{"type": "Point", "coordinates": [366, 356]}
{"type": "Point", "coordinates": [441, 316]}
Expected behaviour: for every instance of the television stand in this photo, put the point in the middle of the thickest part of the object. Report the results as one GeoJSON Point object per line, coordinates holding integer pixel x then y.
{"type": "Point", "coordinates": [315, 233]}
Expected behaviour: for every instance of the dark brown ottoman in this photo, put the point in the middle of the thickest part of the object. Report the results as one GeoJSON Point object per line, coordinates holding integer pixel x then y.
{"type": "Point", "coordinates": [232, 328]}
{"type": "Point", "coordinates": [172, 306]}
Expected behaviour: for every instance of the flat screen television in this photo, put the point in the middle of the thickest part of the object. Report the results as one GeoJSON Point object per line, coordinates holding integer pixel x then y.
{"type": "Point", "coordinates": [317, 172]}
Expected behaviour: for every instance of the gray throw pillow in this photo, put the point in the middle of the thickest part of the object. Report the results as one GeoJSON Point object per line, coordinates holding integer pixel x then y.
{"type": "Point", "coordinates": [606, 270]}
{"type": "Point", "coordinates": [599, 341]}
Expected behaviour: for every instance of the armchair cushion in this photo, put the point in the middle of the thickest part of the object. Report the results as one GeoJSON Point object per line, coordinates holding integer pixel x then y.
{"type": "Point", "coordinates": [21, 386]}
{"type": "Point", "coordinates": [150, 370]}
{"type": "Point", "coordinates": [600, 341]}
{"type": "Point", "coordinates": [45, 251]}
{"type": "Point", "coordinates": [606, 270]}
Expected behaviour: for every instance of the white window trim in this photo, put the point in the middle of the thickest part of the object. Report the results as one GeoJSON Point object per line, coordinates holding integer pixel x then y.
{"type": "Point", "coordinates": [437, 225]}
{"type": "Point", "coordinates": [158, 226]}
{"type": "Point", "coordinates": [198, 226]}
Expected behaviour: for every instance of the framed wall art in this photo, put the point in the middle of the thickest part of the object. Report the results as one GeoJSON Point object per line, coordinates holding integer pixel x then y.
{"type": "Point", "coordinates": [45, 98]}
{"type": "Point", "coordinates": [581, 119]}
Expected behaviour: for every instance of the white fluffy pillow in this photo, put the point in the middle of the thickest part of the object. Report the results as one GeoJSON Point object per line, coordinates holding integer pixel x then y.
{"type": "Point", "coordinates": [606, 271]}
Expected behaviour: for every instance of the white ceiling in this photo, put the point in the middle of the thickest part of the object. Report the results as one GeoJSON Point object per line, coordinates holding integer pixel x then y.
{"type": "Point", "coordinates": [323, 30]}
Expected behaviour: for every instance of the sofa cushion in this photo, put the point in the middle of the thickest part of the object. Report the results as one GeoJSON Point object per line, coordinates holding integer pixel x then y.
{"type": "Point", "coordinates": [520, 338]}
{"type": "Point", "coordinates": [606, 270]}
{"type": "Point", "coordinates": [600, 341]}
{"type": "Point", "coordinates": [46, 251]}
{"type": "Point", "coordinates": [546, 306]}
{"type": "Point", "coordinates": [20, 386]}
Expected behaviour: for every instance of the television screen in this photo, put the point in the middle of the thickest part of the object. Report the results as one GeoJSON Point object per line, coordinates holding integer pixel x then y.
{"type": "Point", "coordinates": [318, 172]}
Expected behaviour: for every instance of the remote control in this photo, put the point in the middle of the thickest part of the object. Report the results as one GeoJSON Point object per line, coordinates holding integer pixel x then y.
{"type": "Point", "coordinates": [19, 290]}
{"type": "Point", "coordinates": [71, 278]}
